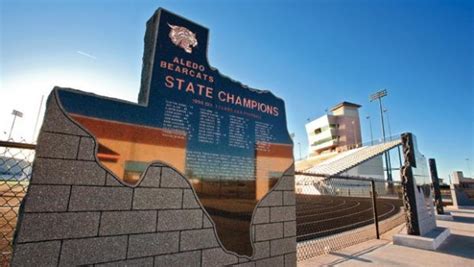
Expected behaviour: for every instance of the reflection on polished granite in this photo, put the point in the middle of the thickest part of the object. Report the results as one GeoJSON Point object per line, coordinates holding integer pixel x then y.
{"type": "Point", "coordinates": [230, 141]}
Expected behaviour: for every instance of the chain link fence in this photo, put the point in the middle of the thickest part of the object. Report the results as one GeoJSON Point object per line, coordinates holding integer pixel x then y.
{"type": "Point", "coordinates": [15, 172]}
{"type": "Point", "coordinates": [332, 212]}
{"type": "Point", "coordinates": [340, 211]}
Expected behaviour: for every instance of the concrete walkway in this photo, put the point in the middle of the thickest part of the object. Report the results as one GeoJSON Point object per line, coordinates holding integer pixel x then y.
{"type": "Point", "coordinates": [457, 250]}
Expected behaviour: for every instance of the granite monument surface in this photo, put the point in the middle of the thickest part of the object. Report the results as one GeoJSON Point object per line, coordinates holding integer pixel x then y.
{"type": "Point", "coordinates": [198, 172]}
{"type": "Point", "coordinates": [416, 184]}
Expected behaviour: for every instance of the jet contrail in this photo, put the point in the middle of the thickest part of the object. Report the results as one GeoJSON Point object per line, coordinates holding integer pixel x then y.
{"type": "Point", "coordinates": [86, 55]}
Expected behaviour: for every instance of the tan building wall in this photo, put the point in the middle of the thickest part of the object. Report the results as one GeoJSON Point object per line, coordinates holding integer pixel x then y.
{"type": "Point", "coordinates": [335, 132]}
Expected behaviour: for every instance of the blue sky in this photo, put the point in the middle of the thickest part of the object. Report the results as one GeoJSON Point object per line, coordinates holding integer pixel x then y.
{"type": "Point", "coordinates": [313, 54]}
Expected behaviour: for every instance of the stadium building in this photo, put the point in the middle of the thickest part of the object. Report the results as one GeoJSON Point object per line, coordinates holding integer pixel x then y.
{"type": "Point", "coordinates": [336, 149]}
{"type": "Point", "coordinates": [335, 132]}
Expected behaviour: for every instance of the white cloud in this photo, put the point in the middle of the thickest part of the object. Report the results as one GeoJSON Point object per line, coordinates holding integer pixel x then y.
{"type": "Point", "coordinates": [86, 54]}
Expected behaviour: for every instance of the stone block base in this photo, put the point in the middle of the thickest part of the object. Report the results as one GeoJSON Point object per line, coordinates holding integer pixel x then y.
{"type": "Point", "coordinates": [430, 241]}
{"type": "Point", "coordinates": [444, 217]}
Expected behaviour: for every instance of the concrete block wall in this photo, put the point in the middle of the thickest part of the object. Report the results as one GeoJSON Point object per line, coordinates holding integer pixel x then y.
{"type": "Point", "coordinates": [77, 213]}
{"type": "Point", "coordinates": [460, 197]}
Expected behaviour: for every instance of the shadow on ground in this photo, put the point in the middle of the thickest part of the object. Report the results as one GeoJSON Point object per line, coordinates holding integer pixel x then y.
{"type": "Point", "coordinates": [463, 219]}
{"type": "Point", "coordinates": [458, 244]}
{"type": "Point", "coordinates": [355, 256]}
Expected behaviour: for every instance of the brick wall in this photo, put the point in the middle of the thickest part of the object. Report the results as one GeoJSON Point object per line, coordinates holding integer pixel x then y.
{"type": "Point", "coordinates": [77, 213]}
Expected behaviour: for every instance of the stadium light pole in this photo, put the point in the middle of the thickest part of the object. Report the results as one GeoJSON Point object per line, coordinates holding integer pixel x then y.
{"type": "Point", "coordinates": [371, 135]}
{"type": "Point", "coordinates": [388, 123]}
{"type": "Point", "coordinates": [33, 139]}
{"type": "Point", "coordinates": [378, 96]}
{"type": "Point", "coordinates": [15, 114]}
{"type": "Point", "coordinates": [299, 147]}
{"type": "Point", "coordinates": [469, 168]}
{"type": "Point", "coordinates": [389, 136]}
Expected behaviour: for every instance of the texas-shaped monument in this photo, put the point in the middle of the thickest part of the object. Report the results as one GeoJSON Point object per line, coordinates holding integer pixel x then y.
{"type": "Point", "coordinates": [230, 141]}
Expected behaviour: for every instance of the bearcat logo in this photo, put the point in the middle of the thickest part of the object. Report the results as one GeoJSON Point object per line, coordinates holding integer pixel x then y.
{"type": "Point", "coordinates": [182, 37]}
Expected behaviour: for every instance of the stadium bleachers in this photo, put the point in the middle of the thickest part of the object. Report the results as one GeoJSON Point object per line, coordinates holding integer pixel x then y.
{"type": "Point", "coordinates": [346, 160]}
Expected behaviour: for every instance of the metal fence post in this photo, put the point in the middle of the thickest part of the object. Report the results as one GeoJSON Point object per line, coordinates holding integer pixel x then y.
{"type": "Point", "coordinates": [374, 205]}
